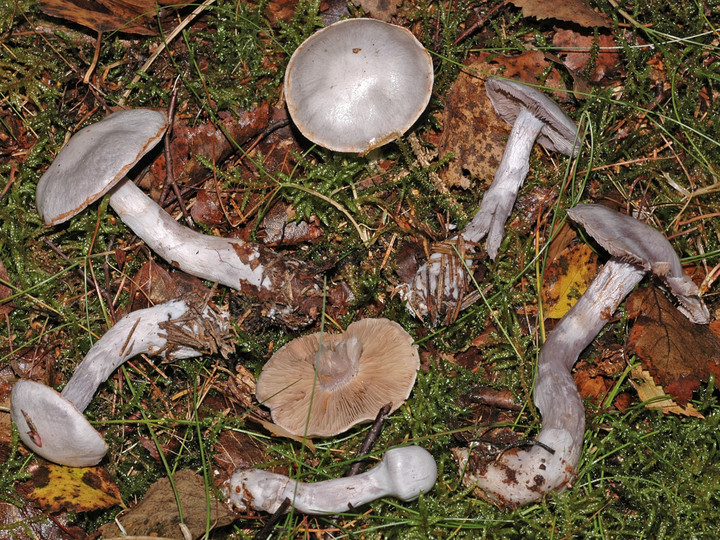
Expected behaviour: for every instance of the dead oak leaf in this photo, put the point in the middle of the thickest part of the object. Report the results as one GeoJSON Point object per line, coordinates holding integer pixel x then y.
{"type": "Point", "coordinates": [677, 353]}
{"type": "Point", "coordinates": [575, 11]}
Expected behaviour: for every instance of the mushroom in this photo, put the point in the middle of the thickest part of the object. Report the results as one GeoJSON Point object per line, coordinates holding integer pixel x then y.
{"type": "Point", "coordinates": [323, 384]}
{"type": "Point", "coordinates": [439, 284]}
{"type": "Point", "coordinates": [521, 476]}
{"type": "Point", "coordinates": [52, 424]}
{"type": "Point", "coordinates": [404, 472]}
{"type": "Point", "coordinates": [358, 84]}
{"type": "Point", "coordinates": [533, 117]}
{"type": "Point", "coordinates": [95, 161]}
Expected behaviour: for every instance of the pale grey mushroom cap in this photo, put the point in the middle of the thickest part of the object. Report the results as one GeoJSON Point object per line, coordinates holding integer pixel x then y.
{"type": "Point", "coordinates": [94, 160]}
{"type": "Point", "coordinates": [358, 84]}
{"type": "Point", "coordinates": [559, 133]}
{"type": "Point", "coordinates": [53, 428]}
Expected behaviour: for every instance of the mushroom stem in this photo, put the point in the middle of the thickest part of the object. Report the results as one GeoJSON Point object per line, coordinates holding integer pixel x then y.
{"type": "Point", "coordinates": [52, 424]}
{"type": "Point", "coordinates": [244, 266]}
{"type": "Point", "coordinates": [499, 199]}
{"type": "Point", "coordinates": [518, 476]}
{"type": "Point", "coordinates": [404, 473]}
{"type": "Point", "coordinates": [139, 332]}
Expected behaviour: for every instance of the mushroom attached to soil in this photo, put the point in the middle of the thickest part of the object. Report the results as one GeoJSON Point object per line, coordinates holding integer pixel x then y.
{"type": "Point", "coordinates": [521, 476]}
{"type": "Point", "coordinates": [404, 472]}
{"type": "Point", "coordinates": [52, 424]}
{"type": "Point", "coordinates": [346, 378]}
{"type": "Point", "coordinates": [358, 84]}
{"type": "Point", "coordinates": [439, 283]}
{"type": "Point", "coordinates": [95, 161]}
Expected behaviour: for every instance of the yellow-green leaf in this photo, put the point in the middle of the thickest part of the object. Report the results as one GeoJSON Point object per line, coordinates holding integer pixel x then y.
{"type": "Point", "coordinates": [566, 278]}
{"type": "Point", "coordinates": [78, 489]}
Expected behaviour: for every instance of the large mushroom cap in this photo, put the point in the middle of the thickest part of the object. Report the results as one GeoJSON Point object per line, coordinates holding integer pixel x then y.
{"type": "Point", "coordinates": [559, 134]}
{"type": "Point", "coordinates": [52, 427]}
{"type": "Point", "coordinates": [371, 364]}
{"type": "Point", "coordinates": [358, 84]}
{"type": "Point", "coordinates": [94, 160]}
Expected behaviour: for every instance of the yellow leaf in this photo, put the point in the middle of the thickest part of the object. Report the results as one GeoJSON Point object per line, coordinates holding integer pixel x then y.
{"type": "Point", "coordinates": [566, 278]}
{"type": "Point", "coordinates": [655, 397]}
{"type": "Point", "coordinates": [78, 489]}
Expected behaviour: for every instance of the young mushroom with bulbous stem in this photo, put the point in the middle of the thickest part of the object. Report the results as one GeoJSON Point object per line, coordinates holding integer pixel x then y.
{"type": "Point", "coordinates": [534, 117]}
{"type": "Point", "coordinates": [95, 161]}
{"type": "Point", "coordinates": [52, 424]}
{"type": "Point", "coordinates": [521, 476]}
{"type": "Point", "coordinates": [358, 84]}
{"type": "Point", "coordinates": [404, 472]}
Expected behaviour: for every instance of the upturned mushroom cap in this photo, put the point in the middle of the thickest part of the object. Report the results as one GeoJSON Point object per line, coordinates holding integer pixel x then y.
{"type": "Point", "coordinates": [559, 134]}
{"type": "Point", "coordinates": [52, 427]}
{"type": "Point", "coordinates": [346, 377]}
{"type": "Point", "coordinates": [625, 237]}
{"type": "Point", "coordinates": [358, 84]}
{"type": "Point", "coordinates": [84, 170]}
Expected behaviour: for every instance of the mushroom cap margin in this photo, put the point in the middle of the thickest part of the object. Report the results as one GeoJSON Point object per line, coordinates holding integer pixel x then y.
{"type": "Point", "coordinates": [66, 435]}
{"type": "Point", "coordinates": [383, 82]}
{"type": "Point", "coordinates": [560, 134]}
{"type": "Point", "coordinates": [94, 160]}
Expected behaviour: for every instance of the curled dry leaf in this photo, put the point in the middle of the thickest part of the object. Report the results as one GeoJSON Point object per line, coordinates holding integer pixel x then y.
{"type": "Point", "coordinates": [655, 397]}
{"type": "Point", "coordinates": [677, 353]}
{"type": "Point", "coordinates": [576, 11]}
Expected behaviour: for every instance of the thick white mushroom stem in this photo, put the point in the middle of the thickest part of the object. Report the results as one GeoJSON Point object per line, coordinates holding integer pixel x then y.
{"type": "Point", "coordinates": [521, 476]}
{"type": "Point", "coordinates": [404, 472]}
{"type": "Point", "coordinates": [148, 331]}
{"type": "Point", "coordinates": [244, 266]}
{"type": "Point", "coordinates": [499, 199]}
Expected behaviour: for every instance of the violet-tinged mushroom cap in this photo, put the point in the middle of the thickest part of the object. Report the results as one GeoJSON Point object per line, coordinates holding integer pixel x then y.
{"type": "Point", "coordinates": [358, 84]}
{"type": "Point", "coordinates": [404, 472]}
{"type": "Point", "coordinates": [559, 132]}
{"type": "Point", "coordinates": [52, 427]}
{"type": "Point", "coordinates": [347, 377]}
{"type": "Point", "coordinates": [627, 238]}
{"type": "Point", "coordinates": [84, 170]}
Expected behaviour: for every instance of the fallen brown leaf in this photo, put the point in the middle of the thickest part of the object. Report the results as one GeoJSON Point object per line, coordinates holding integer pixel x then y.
{"type": "Point", "coordinates": [157, 513]}
{"type": "Point", "coordinates": [605, 60]}
{"type": "Point", "coordinates": [128, 16]}
{"type": "Point", "coordinates": [576, 11]}
{"type": "Point", "coordinates": [656, 398]}
{"type": "Point", "coordinates": [379, 9]}
{"type": "Point", "coordinates": [677, 353]}
{"type": "Point", "coordinates": [6, 305]}
{"type": "Point", "coordinates": [472, 130]}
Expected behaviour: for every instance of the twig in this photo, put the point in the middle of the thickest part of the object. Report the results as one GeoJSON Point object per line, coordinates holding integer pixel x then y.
{"type": "Point", "coordinates": [267, 529]}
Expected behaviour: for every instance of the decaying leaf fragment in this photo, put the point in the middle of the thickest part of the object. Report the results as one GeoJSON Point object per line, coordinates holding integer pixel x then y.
{"type": "Point", "coordinates": [566, 278]}
{"type": "Point", "coordinates": [655, 397]}
{"type": "Point", "coordinates": [77, 489]}
{"type": "Point", "coordinates": [677, 353]}
{"type": "Point", "coordinates": [157, 513]}
{"type": "Point", "coordinates": [576, 11]}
